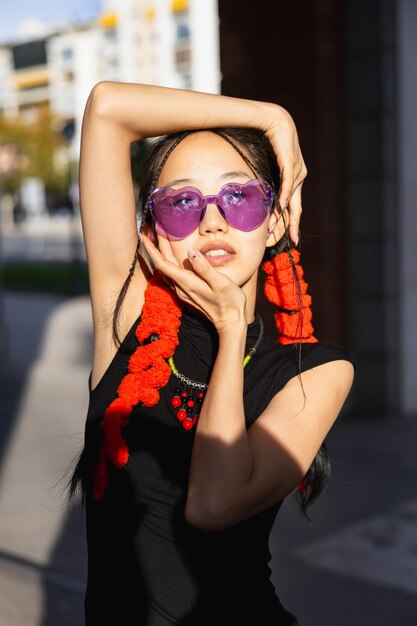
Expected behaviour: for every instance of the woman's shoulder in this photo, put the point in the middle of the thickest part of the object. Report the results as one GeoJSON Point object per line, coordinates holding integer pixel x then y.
{"type": "Point", "coordinates": [321, 352]}
{"type": "Point", "coordinates": [284, 361]}
{"type": "Point", "coordinates": [275, 364]}
{"type": "Point", "coordinates": [306, 353]}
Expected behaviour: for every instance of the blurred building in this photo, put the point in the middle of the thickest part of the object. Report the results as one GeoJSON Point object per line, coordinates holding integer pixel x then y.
{"type": "Point", "coordinates": [155, 42]}
{"type": "Point", "coordinates": [347, 72]}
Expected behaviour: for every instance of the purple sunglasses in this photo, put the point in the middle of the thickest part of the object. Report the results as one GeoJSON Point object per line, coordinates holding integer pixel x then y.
{"type": "Point", "coordinates": [179, 211]}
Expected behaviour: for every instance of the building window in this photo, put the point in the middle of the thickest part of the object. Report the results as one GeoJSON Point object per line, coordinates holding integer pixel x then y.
{"type": "Point", "coordinates": [183, 31]}
{"type": "Point", "coordinates": [29, 54]}
{"type": "Point", "coordinates": [67, 53]}
{"type": "Point", "coordinates": [110, 34]}
{"type": "Point", "coordinates": [187, 81]}
{"type": "Point", "coordinates": [182, 56]}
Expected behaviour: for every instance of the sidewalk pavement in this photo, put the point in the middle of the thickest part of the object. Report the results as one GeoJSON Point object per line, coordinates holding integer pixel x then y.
{"type": "Point", "coordinates": [355, 563]}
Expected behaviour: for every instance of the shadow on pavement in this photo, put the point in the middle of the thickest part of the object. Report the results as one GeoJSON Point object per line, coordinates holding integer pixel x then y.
{"type": "Point", "coordinates": [43, 387]}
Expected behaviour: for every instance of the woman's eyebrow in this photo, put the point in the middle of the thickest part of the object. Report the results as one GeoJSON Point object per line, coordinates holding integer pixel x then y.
{"type": "Point", "coordinates": [177, 181]}
{"type": "Point", "coordinates": [181, 181]}
{"type": "Point", "coordinates": [235, 173]}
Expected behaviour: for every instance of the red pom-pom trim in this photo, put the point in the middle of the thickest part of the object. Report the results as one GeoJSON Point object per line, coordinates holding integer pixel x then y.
{"type": "Point", "coordinates": [148, 370]}
{"type": "Point", "coordinates": [147, 373]}
{"type": "Point", "coordinates": [294, 321]}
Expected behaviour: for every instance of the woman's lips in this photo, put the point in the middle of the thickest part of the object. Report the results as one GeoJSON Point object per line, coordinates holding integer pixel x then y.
{"type": "Point", "coordinates": [221, 259]}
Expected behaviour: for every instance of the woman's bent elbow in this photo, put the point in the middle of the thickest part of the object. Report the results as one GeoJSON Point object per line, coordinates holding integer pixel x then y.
{"type": "Point", "coordinates": [203, 519]}
{"type": "Point", "coordinates": [98, 99]}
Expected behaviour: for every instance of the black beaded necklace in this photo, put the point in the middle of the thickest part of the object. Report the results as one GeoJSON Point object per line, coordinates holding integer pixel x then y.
{"type": "Point", "coordinates": [189, 394]}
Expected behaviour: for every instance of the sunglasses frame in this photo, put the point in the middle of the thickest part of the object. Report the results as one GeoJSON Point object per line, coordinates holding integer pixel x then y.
{"type": "Point", "coordinates": [214, 199]}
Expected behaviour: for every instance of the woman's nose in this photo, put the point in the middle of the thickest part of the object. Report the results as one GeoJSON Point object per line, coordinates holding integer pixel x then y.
{"type": "Point", "coordinates": [213, 219]}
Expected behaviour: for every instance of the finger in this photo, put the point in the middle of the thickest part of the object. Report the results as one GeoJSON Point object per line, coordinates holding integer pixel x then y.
{"type": "Point", "coordinates": [287, 184]}
{"type": "Point", "coordinates": [182, 288]}
{"type": "Point", "coordinates": [300, 169]}
{"type": "Point", "coordinates": [286, 155]}
{"type": "Point", "coordinates": [295, 207]}
{"type": "Point", "coordinates": [204, 269]}
{"type": "Point", "coordinates": [187, 280]}
{"type": "Point", "coordinates": [158, 259]}
{"type": "Point", "coordinates": [165, 249]}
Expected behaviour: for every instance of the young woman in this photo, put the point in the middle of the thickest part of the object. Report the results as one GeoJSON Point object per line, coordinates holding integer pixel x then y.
{"type": "Point", "coordinates": [199, 423]}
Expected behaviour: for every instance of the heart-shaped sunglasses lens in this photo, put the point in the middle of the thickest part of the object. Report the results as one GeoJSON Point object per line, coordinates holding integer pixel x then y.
{"type": "Point", "coordinates": [177, 211]}
{"type": "Point", "coordinates": [246, 206]}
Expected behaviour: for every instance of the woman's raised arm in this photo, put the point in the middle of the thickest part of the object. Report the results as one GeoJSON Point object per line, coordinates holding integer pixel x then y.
{"type": "Point", "coordinates": [116, 114]}
{"type": "Point", "coordinates": [149, 111]}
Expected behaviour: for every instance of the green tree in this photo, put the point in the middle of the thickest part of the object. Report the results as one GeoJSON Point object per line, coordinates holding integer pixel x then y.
{"type": "Point", "coordinates": [37, 147]}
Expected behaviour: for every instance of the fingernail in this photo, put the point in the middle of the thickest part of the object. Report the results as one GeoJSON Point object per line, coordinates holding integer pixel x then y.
{"type": "Point", "coordinates": [283, 204]}
{"type": "Point", "coordinates": [192, 253]}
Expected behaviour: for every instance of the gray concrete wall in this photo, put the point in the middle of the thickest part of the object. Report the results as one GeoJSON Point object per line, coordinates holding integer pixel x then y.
{"type": "Point", "coordinates": [370, 54]}
{"type": "Point", "coordinates": [406, 29]}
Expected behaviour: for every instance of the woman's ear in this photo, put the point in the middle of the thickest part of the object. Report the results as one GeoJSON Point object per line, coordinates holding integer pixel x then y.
{"type": "Point", "coordinates": [276, 227]}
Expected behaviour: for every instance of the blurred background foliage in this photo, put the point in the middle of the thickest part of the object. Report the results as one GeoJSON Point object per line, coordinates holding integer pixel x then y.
{"type": "Point", "coordinates": [41, 152]}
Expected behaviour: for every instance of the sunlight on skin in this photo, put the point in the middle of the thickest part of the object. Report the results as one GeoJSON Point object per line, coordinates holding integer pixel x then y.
{"type": "Point", "coordinates": [204, 160]}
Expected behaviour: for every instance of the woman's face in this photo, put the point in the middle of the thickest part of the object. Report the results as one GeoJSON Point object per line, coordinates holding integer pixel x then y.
{"type": "Point", "coordinates": [206, 161]}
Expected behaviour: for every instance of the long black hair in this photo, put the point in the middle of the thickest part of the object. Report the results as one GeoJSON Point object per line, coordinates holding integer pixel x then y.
{"type": "Point", "coordinates": [262, 161]}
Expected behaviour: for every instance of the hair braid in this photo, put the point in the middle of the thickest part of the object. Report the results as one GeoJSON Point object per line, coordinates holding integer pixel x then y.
{"type": "Point", "coordinates": [158, 173]}
{"type": "Point", "coordinates": [142, 221]}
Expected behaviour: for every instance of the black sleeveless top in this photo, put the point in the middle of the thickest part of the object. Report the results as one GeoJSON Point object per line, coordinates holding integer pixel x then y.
{"type": "Point", "coordinates": [146, 565]}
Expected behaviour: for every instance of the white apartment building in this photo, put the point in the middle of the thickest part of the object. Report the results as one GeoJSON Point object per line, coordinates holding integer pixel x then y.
{"type": "Point", "coordinates": [173, 43]}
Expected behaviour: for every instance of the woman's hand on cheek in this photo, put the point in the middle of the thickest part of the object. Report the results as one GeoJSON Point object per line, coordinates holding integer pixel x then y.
{"type": "Point", "coordinates": [214, 294]}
